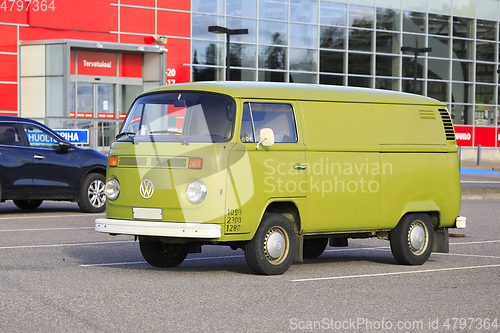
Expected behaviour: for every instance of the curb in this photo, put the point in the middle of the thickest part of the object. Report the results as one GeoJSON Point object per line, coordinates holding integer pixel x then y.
{"type": "Point", "coordinates": [491, 196]}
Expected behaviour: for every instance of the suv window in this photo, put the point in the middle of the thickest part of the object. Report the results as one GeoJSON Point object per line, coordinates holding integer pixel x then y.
{"type": "Point", "coordinates": [39, 138]}
{"type": "Point", "coordinates": [9, 135]}
{"type": "Point", "coordinates": [277, 116]}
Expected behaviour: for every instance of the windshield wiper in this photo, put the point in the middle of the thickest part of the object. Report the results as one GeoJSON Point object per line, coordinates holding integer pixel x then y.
{"type": "Point", "coordinates": [174, 134]}
{"type": "Point", "coordinates": [129, 134]}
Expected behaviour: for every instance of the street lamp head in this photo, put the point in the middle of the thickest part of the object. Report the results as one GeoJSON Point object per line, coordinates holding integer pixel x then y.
{"type": "Point", "coordinates": [218, 29]}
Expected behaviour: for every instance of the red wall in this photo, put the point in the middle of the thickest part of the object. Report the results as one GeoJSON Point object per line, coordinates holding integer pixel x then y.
{"type": "Point", "coordinates": [94, 20]}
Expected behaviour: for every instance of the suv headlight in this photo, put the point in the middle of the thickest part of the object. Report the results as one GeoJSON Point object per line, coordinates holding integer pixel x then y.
{"type": "Point", "coordinates": [196, 192]}
{"type": "Point", "coordinates": [112, 189]}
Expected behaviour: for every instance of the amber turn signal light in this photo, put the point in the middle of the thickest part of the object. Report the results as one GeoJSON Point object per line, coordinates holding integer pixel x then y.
{"type": "Point", "coordinates": [195, 163]}
{"type": "Point", "coordinates": [113, 161]}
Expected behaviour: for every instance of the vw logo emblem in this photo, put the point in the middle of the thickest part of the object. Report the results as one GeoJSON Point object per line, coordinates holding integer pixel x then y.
{"type": "Point", "coordinates": [146, 189]}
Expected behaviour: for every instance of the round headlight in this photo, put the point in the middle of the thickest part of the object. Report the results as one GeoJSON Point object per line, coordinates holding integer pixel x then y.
{"type": "Point", "coordinates": [112, 189]}
{"type": "Point", "coordinates": [196, 191]}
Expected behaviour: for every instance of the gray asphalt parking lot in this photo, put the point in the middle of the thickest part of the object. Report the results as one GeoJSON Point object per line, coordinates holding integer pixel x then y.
{"type": "Point", "coordinates": [57, 274]}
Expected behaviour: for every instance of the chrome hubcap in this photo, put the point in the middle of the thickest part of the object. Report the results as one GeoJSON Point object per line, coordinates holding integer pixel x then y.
{"type": "Point", "coordinates": [276, 245]}
{"type": "Point", "coordinates": [97, 197]}
{"type": "Point", "coordinates": [417, 237]}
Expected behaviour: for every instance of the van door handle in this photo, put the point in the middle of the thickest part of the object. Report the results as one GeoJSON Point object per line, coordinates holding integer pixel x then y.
{"type": "Point", "coordinates": [39, 157]}
{"type": "Point", "coordinates": [300, 167]}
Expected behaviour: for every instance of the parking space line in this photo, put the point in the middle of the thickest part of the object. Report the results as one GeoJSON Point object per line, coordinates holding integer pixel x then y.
{"type": "Point", "coordinates": [468, 255]}
{"type": "Point", "coordinates": [144, 262]}
{"type": "Point", "coordinates": [49, 216]}
{"type": "Point", "coordinates": [61, 245]}
{"type": "Point", "coordinates": [46, 229]}
{"type": "Point", "coordinates": [395, 273]}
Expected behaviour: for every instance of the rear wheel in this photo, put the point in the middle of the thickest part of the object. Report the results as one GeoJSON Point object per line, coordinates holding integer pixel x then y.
{"type": "Point", "coordinates": [159, 254]}
{"type": "Point", "coordinates": [314, 247]}
{"type": "Point", "coordinates": [273, 247]}
{"type": "Point", "coordinates": [412, 239]}
{"type": "Point", "coordinates": [92, 196]}
{"type": "Point", "coordinates": [28, 204]}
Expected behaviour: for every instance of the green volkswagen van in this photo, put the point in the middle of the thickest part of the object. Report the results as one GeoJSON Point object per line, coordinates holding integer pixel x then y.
{"type": "Point", "coordinates": [281, 170]}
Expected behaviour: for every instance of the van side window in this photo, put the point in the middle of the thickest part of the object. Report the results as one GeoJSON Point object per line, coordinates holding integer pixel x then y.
{"type": "Point", "coordinates": [279, 117]}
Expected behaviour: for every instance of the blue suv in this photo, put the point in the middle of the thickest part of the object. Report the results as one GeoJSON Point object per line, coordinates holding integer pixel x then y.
{"type": "Point", "coordinates": [37, 164]}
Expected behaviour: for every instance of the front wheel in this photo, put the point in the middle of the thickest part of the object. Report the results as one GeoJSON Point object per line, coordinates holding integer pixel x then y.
{"type": "Point", "coordinates": [159, 254]}
{"type": "Point", "coordinates": [28, 204]}
{"type": "Point", "coordinates": [273, 247]}
{"type": "Point", "coordinates": [412, 239]}
{"type": "Point", "coordinates": [92, 196]}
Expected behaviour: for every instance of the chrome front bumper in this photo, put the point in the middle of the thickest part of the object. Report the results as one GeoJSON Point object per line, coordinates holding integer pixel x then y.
{"type": "Point", "coordinates": [165, 229]}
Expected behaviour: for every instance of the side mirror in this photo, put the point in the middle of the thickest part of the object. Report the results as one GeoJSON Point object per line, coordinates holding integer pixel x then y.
{"type": "Point", "coordinates": [64, 146]}
{"type": "Point", "coordinates": [266, 137]}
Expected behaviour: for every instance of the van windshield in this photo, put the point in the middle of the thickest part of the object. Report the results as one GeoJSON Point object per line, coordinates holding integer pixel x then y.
{"type": "Point", "coordinates": [181, 116]}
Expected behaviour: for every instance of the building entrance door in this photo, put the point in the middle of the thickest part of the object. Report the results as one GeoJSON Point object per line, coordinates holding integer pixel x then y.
{"type": "Point", "coordinates": [100, 108]}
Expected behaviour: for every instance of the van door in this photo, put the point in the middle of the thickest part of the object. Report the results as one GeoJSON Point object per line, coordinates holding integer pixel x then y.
{"type": "Point", "coordinates": [275, 172]}
{"type": "Point", "coordinates": [344, 171]}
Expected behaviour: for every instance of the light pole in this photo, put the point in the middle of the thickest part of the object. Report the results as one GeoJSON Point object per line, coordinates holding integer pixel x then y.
{"type": "Point", "coordinates": [416, 50]}
{"type": "Point", "coordinates": [221, 30]}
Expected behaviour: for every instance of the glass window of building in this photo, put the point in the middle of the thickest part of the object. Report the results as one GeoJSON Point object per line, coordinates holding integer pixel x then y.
{"type": "Point", "coordinates": [484, 93]}
{"type": "Point", "coordinates": [207, 53]}
{"type": "Point", "coordinates": [361, 17]}
{"type": "Point", "coordinates": [273, 57]}
{"type": "Point", "coordinates": [440, 47]}
{"type": "Point", "coordinates": [438, 69]}
{"type": "Point", "coordinates": [303, 78]}
{"type": "Point", "coordinates": [336, 80]}
{"type": "Point", "coordinates": [207, 6]}
{"type": "Point", "coordinates": [271, 76]}
{"type": "Point", "coordinates": [332, 13]}
{"type": "Point", "coordinates": [463, 49]}
{"type": "Point", "coordinates": [200, 24]}
{"type": "Point", "coordinates": [414, 22]}
{"type": "Point", "coordinates": [303, 35]}
{"type": "Point", "coordinates": [461, 71]}
{"type": "Point", "coordinates": [243, 55]}
{"type": "Point", "coordinates": [485, 73]}
{"type": "Point", "coordinates": [360, 40]}
{"type": "Point", "coordinates": [461, 92]}
{"type": "Point", "coordinates": [486, 30]}
{"type": "Point", "coordinates": [239, 23]}
{"type": "Point", "coordinates": [303, 59]}
{"type": "Point", "coordinates": [463, 27]}
{"type": "Point", "coordinates": [272, 32]}
{"type": "Point", "coordinates": [273, 10]}
{"type": "Point", "coordinates": [414, 40]}
{"type": "Point", "coordinates": [408, 67]}
{"type": "Point", "coordinates": [245, 8]}
{"type": "Point", "coordinates": [359, 81]}
{"type": "Point", "coordinates": [242, 74]}
{"type": "Point", "coordinates": [386, 65]}
{"type": "Point", "coordinates": [304, 11]}
{"type": "Point", "coordinates": [388, 19]}
{"type": "Point", "coordinates": [332, 38]}
{"type": "Point", "coordinates": [207, 74]}
{"type": "Point", "coordinates": [485, 51]}
{"type": "Point", "coordinates": [439, 25]}
{"type": "Point", "coordinates": [331, 62]}
{"type": "Point", "coordinates": [388, 84]}
{"type": "Point", "coordinates": [388, 42]}
{"type": "Point", "coordinates": [359, 63]}
{"type": "Point", "coordinates": [438, 90]}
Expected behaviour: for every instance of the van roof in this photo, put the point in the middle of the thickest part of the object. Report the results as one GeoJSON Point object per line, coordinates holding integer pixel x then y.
{"type": "Point", "coordinates": [299, 91]}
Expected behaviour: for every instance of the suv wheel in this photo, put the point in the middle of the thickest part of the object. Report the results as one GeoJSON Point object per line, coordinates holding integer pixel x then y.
{"type": "Point", "coordinates": [92, 197]}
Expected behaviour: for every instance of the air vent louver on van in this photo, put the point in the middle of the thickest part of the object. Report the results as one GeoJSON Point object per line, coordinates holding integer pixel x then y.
{"type": "Point", "coordinates": [427, 114]}
{"type": "Point", "coordinates": [449, 130]}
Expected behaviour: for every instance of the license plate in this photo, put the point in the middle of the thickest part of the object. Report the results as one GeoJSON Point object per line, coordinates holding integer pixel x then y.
{"type": "Point", "coordinates": [147, 213]}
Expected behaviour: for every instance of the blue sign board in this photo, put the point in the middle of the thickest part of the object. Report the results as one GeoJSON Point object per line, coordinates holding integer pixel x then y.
{"type": "Point", "coordinates": [77, 136]}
